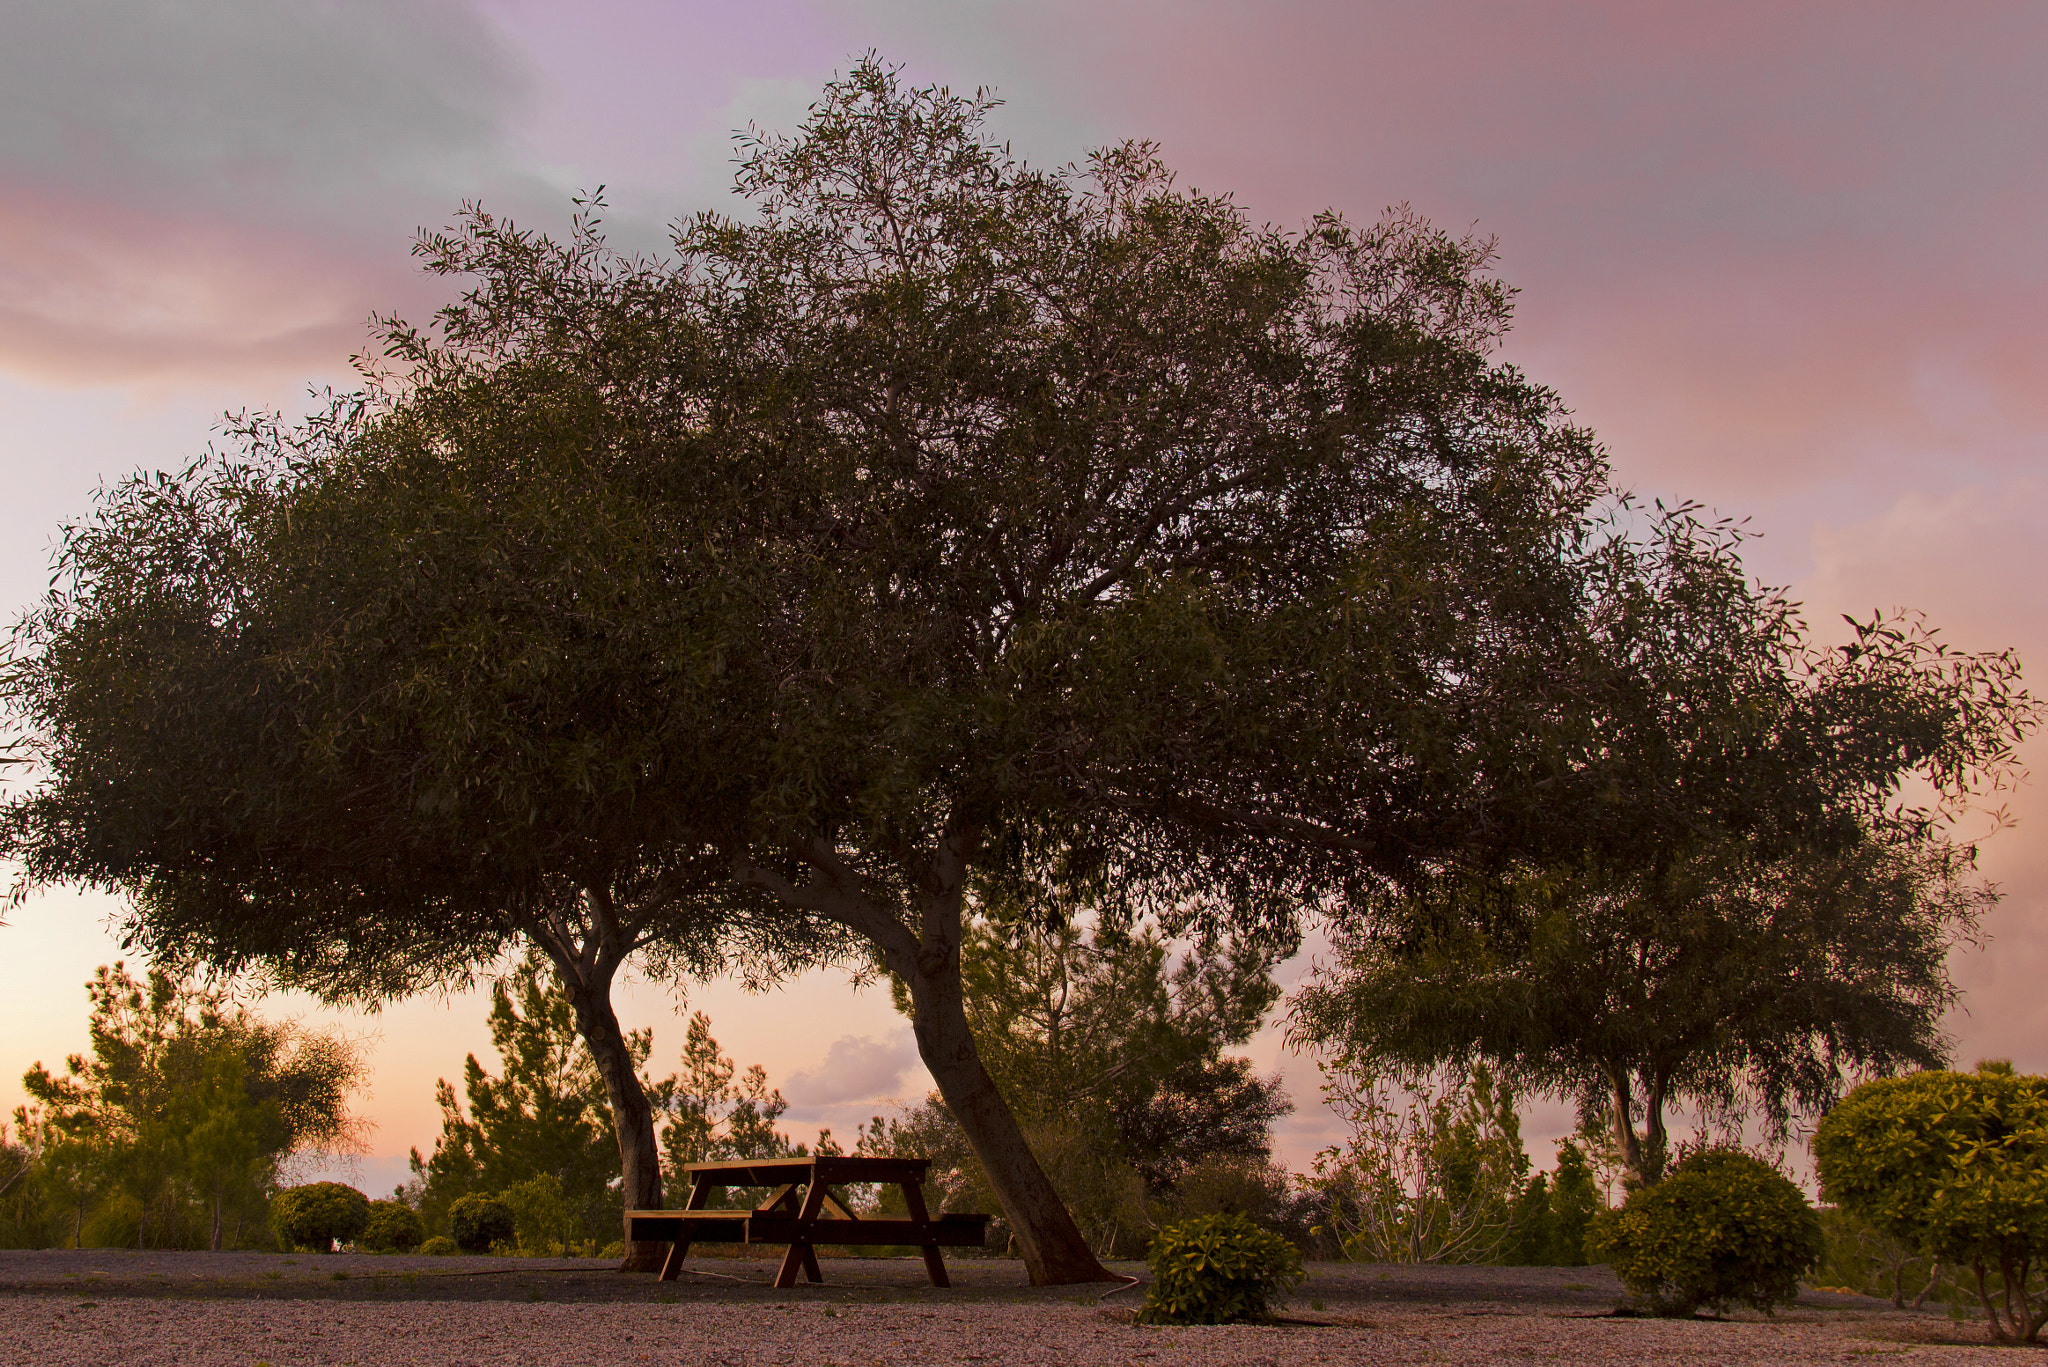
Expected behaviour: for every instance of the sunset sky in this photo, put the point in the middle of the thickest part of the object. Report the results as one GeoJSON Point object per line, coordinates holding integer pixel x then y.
{"type": "Point", "coordinates": [1785, 259]}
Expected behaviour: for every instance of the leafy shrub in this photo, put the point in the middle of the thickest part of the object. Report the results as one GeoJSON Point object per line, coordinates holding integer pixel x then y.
{"type": "Point", "coordinates": [440, 1246]}
{"type": "Point", "coordinates": [1722, 1227]}
{"type": "Point", "coordinates": [1954, 1166]}
{"type": "Point", "coordinates": [318, 1215]}
{"type": "Point", "coordinates": [615, 1249]}
{"type": "Point", "coordinates": [477, 1222]}
{"type": "Point", "coordinates": [1431, 1171]}
{"type": "Point", "coordinates": [393, 1226]}
{"type": "Point", "coordinates": [1217, 1269]}
{"type": "Point", "coordinates": [540, 1215]}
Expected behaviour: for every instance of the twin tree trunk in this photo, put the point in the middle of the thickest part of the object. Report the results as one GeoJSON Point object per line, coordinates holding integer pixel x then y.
{"type": "Point", "coordinates": [1055, 1253]}
{"type": "Point", "coordinates": [1642, 1156]}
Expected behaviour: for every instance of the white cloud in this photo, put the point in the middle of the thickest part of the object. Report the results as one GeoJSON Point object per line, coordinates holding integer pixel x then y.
{"type": "Point", "coordinates": [855, 1068]}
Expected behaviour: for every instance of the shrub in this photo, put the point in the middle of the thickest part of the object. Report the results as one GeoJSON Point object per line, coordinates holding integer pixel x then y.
{"type": "Point", "coordinates": [318, 1215]}
{"type": "Point", "coordinates": [1722, 1227]}
{"type": "Point", "coordinates": [477, 1222]}
{"type": "Point", "coordinates": [540, 1215]}
{"type": "Point", "coordinates": [615, 1249]}
{"type": "Point", "coordinates": [440, 1246]}
{"type": "Point", "coordinates": [393, 1226]}
{"type": "Point", "coordinates": [1217, 1269]}
{"type": "Point", "coordinates": [1955, 1166]}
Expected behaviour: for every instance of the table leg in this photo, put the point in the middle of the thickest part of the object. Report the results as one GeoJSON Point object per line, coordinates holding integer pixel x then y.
{"type": "Point", "coordinates": [802, 1255]}
{"type": "Point", "coordinates": [672, 1265]}
{"type": "Point", "coordinates": [934, 1264]}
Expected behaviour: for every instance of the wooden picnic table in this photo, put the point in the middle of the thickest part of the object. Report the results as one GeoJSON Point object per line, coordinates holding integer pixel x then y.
{"type": "Point", "coordinates": [804, 1211]}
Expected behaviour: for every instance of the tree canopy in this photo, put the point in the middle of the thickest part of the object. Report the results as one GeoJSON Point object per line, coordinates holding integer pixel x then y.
{"type": "Point", "coordinates": [1771, 917]}
{"type": "Point", "coordinates": [949, 523]}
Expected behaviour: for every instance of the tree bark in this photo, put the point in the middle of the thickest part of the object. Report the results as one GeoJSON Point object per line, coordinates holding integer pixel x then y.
{"type": "Point", "coordinates": [589, 988]}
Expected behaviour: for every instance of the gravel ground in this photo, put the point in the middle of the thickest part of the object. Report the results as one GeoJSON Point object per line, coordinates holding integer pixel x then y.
{"type": "Point", "coordinates": [67, 1309]}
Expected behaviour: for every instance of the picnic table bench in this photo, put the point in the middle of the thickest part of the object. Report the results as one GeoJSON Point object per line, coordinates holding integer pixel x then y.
{"type": "Point", "coordinates": [804, 1211]}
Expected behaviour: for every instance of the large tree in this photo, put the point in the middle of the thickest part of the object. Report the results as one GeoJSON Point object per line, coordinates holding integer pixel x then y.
{"type": "Point", "coordinates": [1768, 915]}
{"type": "Point", "coordinates": [948, 521]}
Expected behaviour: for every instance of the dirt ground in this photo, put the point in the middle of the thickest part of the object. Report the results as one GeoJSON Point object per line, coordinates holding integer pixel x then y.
{"type": "Point", "coordinates": [62, 1307]}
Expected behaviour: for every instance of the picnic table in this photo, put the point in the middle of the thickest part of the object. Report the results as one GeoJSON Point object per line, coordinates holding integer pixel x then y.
{"type": "Point", "coordinates": [803, 1211]}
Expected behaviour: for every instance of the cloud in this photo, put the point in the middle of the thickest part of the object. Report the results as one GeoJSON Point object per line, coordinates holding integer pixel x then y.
{"type": "Point", "coordinates": [195, 100]}
{"type": "Point", "coordinates": [1745, 232]}
{"type": "Point", "coordinates": [220, 186]}
{"type": "Point", "coordinates": [855, 1068]}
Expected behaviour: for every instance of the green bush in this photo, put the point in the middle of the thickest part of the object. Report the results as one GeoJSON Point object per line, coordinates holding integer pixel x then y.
{"type": "Point", "coordinates": [1722, 1227]}
{"type": "Point", "coordinates": [393, 1227]}
{"type": "Point", "coordinates": [440, 1246]}
{"type": "Point", "coordinates": [318, 1215]}
{"type": "Point", "coordinates": [615, 1249]}
{"type": "Point", "coordinates": [477, 1222]}
{"type": "Point", "coordinates": [540, 1215]}
{"type": "Point", "coordinates": [1217, 1269]}
{"type": "Point", "coordinates": [1955, 1167]}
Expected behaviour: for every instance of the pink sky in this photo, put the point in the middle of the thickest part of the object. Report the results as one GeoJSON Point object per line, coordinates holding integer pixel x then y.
{"type": "Point", "coordinates": [1784, 259]}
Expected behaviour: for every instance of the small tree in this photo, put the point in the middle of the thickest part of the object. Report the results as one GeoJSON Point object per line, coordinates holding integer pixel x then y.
{"type": "Point", "coordinates": [1434, 1180]}
{"type": "Point", "coordinates": [1724, 1227]}
{"type": "Point", "coordinates": [1111, 1036]}
{"type": "Point", "coordinates": [1756, 917]}
{"type": "Point", "coordinates": [184, 1095]}
{"type": "Point", "coordinates": [1955, 1165]}
{"type": "Point", "coordinates": [319, 1215]}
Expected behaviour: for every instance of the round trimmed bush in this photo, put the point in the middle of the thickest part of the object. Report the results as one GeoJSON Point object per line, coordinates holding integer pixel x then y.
{"type": "Point", "coordinates": [477, 1222]}
{"type": "Point", "coordinates": [1217, 1269]}
{"type": "Point", "coordinates": [393, 1227]}
{"type": "Point", "coordinates": [318, 1215]}
{"type": "Point", "coordinates": [440, 1246]}
{"type": "Point", "coordinates": [1723, 1227]}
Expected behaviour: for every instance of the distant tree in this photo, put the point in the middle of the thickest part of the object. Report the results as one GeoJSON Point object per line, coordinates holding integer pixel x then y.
{"type": "Point", "coordinates": [1764, 920]}
{"type": "Point", "coordinates": [1432, 1170]}
{"type": "Point", "coordinates": [546, 1113]}
{"type": "Point", "coordinates": [714, 1111]}
{"type": "Point", "coordinates": [185, 1095]}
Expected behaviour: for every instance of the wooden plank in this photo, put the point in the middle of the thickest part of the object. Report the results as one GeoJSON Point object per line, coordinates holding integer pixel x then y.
{"type": "Point", "coordinates": [832, 1170]}
{"type": "Point", "coordinates": [746, 1226]}
{"type": "Point", "coordinates": [934, 1262]}
{"type": "Point", "coordinates": [949, 1233]}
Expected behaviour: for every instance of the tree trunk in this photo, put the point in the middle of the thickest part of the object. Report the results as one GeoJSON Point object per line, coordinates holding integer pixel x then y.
{"type": "Point", "coordinates": [632, 1117]}
{"type": "Point", "coordinates": [928, 960]}
{"type": "Point", "coordinates": [1055, 1253]}
{"type": "Point", "coordinates": [1625, 1131]}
